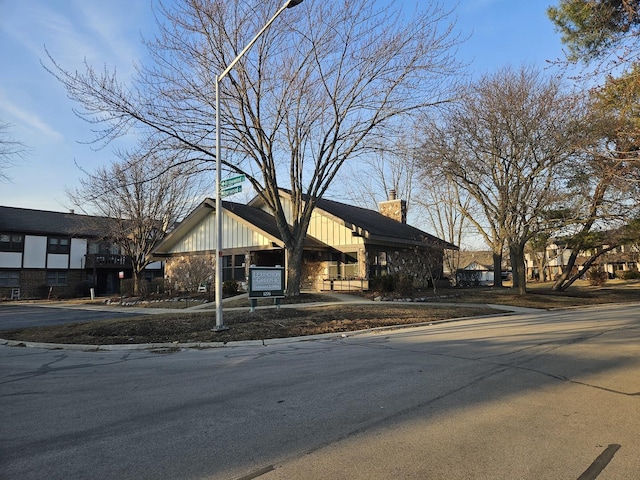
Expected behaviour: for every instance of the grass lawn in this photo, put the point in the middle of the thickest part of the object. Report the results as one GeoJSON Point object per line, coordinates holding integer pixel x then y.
{"type": "Point", "coordinates": [182, 325]}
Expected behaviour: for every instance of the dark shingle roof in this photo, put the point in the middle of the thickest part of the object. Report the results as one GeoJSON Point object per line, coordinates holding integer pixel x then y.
{"type": "Point", "coordinates": [377, 225]}
{"type": "Point", "coordinates": [42, 222]}
{"type": "Point", "coordinates": [261, 219]}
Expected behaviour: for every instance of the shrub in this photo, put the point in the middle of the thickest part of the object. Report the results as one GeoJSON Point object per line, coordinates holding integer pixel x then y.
{"type": "Point", "coordinates": [230, 287]}
{"type": "Point", "coordinates": [628, 274]}
{"type": "Point", "coordinates": [126, 287]}
{"type": "Point", "coordinates": [382, 283]}
{"type": "Point", "coordinates": [83, 288]}
{"type": "Point", "coordinates": [597, 276]}
{"type": "Point", "coordinates": [400, 283]}
{"type": "Point", "coordinates": [404, 284]}
{"type": "Point", "coordinates": [158, 285]}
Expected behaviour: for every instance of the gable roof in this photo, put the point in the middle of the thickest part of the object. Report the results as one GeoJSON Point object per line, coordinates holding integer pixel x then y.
{"type": "Point", "coordinates": [254, 216]}
{"type": "Point", "coordinates": [371, 224]}
{"type": "Point", "coordinates": [363, 222]}
{"type": "Point", "coordinates": [264, 221]}
{"type": "Point", "coordinates": [257, 219]}
{"type": "Point", "coordinates": [376, 226]}
{"type": "Point", "coordinates": [43, 222]}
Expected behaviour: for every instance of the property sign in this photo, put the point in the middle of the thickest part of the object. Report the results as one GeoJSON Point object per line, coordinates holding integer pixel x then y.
{"type": "Point", "coordinates": [266, 282]}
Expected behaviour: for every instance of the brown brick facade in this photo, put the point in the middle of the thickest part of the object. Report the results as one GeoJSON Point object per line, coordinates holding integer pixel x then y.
{"type": "Point", "coordinates": [33, 285]}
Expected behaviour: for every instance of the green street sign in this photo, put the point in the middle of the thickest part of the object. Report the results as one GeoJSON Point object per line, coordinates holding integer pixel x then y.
{"type": "Point", "coordinates": [232, 181]}
{"type": "Point", "coordinates": [225, 192]}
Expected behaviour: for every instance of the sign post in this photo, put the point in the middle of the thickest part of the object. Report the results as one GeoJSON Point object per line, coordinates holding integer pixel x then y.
{"type": "Point", "coordinates": [266, 282]}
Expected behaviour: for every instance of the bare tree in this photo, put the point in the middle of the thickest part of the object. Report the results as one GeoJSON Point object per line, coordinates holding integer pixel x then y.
{"type": "Point", "coordinates": [142, 198]}
{"type": "Point", "coordinates": [11, 151]}
{"type": "Point", "coordinates": [323, 80]}
{"type": "Point", "coordinates": [447, 210]}
{"type": "Point", "coordinates": [391, 166]}
{"type": "Point", "coordinates": [503, 144]}
{"type": "Point", "coordinates": [189, 272]}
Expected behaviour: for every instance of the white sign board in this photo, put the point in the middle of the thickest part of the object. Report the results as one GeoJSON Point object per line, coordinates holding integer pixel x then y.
{"type": "Point", "coordinates": [266, 282]}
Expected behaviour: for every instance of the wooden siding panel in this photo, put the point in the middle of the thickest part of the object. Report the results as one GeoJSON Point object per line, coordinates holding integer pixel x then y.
{"type": "Point", "coordinates": [331, 232]}
{"type": "Point", "coordinates": [234, 234]}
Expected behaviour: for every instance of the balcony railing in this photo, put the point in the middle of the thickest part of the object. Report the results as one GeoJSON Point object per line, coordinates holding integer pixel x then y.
{"type": "Point", "coordinates": [98, 260]}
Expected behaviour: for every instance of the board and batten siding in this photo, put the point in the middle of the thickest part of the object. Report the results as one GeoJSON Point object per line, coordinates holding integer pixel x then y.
{"type": "Point", "coordinates": [325, 228]}
{"type": "Point", "coordinates": [332, 232]}
{"type": "Point", "coordinates": [234, 235]}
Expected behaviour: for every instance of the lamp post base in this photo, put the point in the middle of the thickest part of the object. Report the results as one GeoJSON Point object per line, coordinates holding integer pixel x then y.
{"type": "Point", "coordinates": [219, 328]}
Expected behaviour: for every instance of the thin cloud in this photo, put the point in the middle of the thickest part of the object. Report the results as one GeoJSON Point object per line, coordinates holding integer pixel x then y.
{"type": "Point", "coordinates": [28, 119]}
{"type": "Point", "coordinates": [115, 35]}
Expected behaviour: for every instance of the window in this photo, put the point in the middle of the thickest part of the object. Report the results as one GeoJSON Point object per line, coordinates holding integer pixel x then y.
{"type": "Point", "coordinates": [379, 265]}
{"type": "Point", "coordinates": [9, 278]}
{"type": "Point", "coordinates": [226, 267]}
{"type": "Point", "coordinates": [233, 268]}
{"type": "Point", "coordinates": [10, 242]}
{"type": "Point", "coordinates": [58, 245]}
{"type": "Point", "coordinates": [238, 268]}
{"type": "Point", "coordinates": [349, 267]}
{"type": "Point", "coordinates": [56, 278]}
{"type": "Point", "coordinates": [333, 265]}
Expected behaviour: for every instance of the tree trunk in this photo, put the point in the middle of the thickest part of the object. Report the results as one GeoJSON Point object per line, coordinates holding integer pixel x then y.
{"type": "Point", "coordinates": [560, 283]}
{"type": "Point", "coordinates": [541, 266]}
{"type": "Point", "coordinates": [136, 282]}
{"type": "Point", "coordinates": [518, 268]}
{"type": "Point", "coordinates": [294, 269]}
{"type": "Point", "coordinates": [497, 269]}
{"type": "Point", "coordinates": [515, 273]}
{"type": "Point", "coordinates": [566, 279]}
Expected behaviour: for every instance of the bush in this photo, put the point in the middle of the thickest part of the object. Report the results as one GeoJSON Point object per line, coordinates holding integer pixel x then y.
{"type": "Point", "coordinates": [83, 288]}
{"type": "Point", "coordinates": [382, 283]}
{"type": "Point", "coordinates": [230, 287]}
{"type": "Point", "coordinates": [158, 285]}
{"type": "Point", "coordinates": [628, 274]}
{"type": "Point", "coordinates": [126, 287]}
{"type": "Point", "coordinates": [400, 283]}
{"type": "Point", "coordinates": [404, 284]}
{"type": "Point", "coordinates": [597, 277]}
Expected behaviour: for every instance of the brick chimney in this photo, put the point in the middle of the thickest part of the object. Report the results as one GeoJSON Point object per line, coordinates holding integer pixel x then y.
{"type": "Point", "coordinates": [394, 208]}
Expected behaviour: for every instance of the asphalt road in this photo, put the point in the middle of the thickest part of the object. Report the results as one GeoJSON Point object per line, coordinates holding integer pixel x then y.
{"type": "Point", "coordinates": [537, 396]}
{"type": "Point", "coordinates": [25, 315]}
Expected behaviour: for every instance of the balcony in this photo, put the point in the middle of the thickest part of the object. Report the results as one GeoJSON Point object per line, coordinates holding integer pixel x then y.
{"type": "Point", "coordinates": [99, 260]}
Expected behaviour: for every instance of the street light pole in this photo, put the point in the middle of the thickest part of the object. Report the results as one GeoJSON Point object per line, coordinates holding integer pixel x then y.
{"type": "Point", "coordinates": [218, 271]}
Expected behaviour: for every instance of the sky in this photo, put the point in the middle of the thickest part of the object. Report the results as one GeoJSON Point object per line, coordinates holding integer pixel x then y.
{"type": "Point", "coordinates": [109, 33]}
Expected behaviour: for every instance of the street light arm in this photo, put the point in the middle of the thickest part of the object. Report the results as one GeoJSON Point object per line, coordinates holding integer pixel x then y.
{"type": "Point", "coordinates": [287, 4]}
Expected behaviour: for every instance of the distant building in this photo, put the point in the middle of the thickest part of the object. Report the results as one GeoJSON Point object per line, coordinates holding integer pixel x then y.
{"type": "Point", "coordinates": [551, 263]}
{"type": "Point", "coordinates": [476, 268]}
{"type": "Point", "coordinates": [52, 254]}
{"type": "Point", "coordinates": [344, 248]}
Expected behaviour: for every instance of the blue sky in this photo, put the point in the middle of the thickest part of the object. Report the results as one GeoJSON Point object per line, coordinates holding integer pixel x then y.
{"type": "Point", "coordinates": [501, 32]}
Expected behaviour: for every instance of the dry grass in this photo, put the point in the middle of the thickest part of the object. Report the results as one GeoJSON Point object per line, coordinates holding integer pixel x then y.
{"type": "Point", "coordinates": [184, 326]}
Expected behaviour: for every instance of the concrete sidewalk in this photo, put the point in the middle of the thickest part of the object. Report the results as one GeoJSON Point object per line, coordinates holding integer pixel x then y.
{"type": "Point", "coordinates": [332, 299]}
